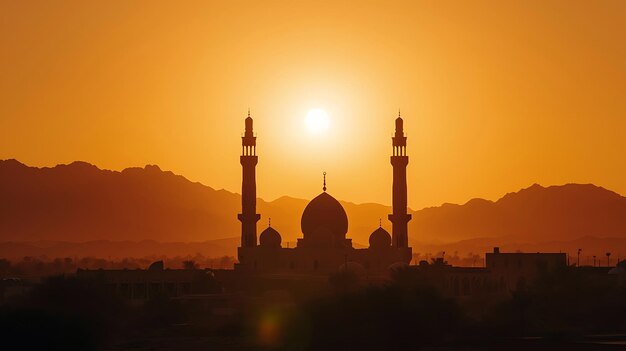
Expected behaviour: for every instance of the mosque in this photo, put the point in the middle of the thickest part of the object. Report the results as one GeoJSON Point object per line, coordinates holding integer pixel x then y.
{"type": "Point", "coordinates": [323, 248]}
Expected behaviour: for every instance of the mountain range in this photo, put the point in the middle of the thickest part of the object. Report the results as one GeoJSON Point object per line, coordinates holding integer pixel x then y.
{"type": "Point", "coordinates": [71, 206]}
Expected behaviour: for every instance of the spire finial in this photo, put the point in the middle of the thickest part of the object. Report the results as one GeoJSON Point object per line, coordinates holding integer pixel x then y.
{"type": "Point", "coordinates": [248, 111]}
{"type": "Point", "coordinates": [324, 188]}
{"type": "Point", "coordinates": [380, 223]}
{"type": "Point", "coordinates": [398, 112]}
{"type": "Point", "coordinates": [269, 222]}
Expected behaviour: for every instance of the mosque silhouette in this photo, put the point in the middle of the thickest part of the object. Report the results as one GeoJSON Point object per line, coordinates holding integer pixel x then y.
{"type": "Point", "coordinates": [324, 248]}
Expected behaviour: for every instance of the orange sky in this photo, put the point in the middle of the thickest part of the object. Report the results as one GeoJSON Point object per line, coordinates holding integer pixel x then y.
{"type": "Point", "coordinates": [496, 95]}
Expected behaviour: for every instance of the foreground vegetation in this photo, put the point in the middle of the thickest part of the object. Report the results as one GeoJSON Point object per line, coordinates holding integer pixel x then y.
{"type": "Point", "coordinates": [560, 307]}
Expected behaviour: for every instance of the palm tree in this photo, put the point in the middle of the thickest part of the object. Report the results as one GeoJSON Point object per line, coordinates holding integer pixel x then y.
{"type": "Point", "coordinates": [608, 255]}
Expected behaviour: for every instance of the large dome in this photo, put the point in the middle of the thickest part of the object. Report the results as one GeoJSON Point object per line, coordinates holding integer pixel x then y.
{"type": "Point", "coordinates": [324, 220]}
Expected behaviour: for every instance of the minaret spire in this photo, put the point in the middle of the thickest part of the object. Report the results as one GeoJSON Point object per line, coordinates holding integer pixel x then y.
{"type": "Point", "coordinates": [399, 160]}
{"type": "Point", "coordinates": [248, 160]}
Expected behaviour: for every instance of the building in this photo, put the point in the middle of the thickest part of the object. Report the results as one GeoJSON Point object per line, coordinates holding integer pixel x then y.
{"type": "Point", "coordinates": [138, 285]}
{"type": "Point", "coordinates": [522, 268]}
{"type": "Point", "coordinates": [324, 247]}
{"type": "Point", "coordinates": [619, 272]}
{"type": "Point", "coordinates": [459, 281]}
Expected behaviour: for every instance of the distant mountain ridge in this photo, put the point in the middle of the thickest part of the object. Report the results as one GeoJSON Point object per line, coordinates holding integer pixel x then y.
{"type": "Point", "coordinates": [80, 202]}
{"type": "Point", "coordinates": [536, 213]}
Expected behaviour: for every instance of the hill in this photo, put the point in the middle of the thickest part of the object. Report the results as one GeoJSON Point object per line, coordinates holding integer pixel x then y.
{"type": "Point", "coordinates": [533, 214]}
{"type": "Point", "coordinates": [81, 203]}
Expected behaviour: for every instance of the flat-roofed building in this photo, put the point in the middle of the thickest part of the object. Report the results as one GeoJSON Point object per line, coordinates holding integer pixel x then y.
{"type": "Point", "coordinates": [145, 284]}
{"type": "Point", "coordinates": [520, 268]}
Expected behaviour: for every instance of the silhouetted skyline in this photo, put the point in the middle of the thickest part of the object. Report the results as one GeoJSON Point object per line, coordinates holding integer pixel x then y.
{"type": "Point", "coordinates": [313, 231]}
{"type": "Point", "coordinates": [127, 206]}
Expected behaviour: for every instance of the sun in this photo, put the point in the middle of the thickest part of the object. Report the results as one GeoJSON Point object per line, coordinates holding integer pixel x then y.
{"type": "Point", "coordinates": [317, 121]}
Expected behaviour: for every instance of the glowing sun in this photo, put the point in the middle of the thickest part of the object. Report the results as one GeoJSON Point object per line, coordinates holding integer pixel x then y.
{"type": "Point", "coordinates": [317, 121]}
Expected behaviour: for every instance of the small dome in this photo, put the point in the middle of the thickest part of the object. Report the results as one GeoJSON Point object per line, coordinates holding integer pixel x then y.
{"type": "Point", "coordinates": [324, 220]}
{"type": "Point", "coordinates": [270, 238]}
{"type": "Point", "coordinates": [380, 238]}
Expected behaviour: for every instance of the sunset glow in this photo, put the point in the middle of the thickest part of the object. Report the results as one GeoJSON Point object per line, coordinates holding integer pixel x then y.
{"type": "Point", "coordinates": [493, 100]}
{"type": "Point", "coordinates": [313, 175]}
{"type": "Point", "coordinates": [317, 121]}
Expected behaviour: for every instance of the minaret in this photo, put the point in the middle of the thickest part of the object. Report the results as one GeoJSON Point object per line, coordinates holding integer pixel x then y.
{"type": "Point", "coordinates": [248, 160]}
{"type": "Point", "coordinates": [399, 160]}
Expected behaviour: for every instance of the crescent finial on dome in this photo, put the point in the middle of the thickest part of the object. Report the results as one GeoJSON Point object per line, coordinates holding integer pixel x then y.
{"type": "Point", "coordinates": [324, 188]}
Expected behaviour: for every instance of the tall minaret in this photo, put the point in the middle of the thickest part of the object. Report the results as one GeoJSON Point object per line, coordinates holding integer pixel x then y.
{"type": "Point", "coordinates": [248, 160]}
{"type": "Point", "coordinates": [399, 160]}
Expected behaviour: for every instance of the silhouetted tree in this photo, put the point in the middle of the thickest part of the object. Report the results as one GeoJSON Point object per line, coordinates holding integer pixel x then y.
{"type": "Point", "coordinates": [61, 314]}
{"type": "Point", "coordinates": [383, 318]}
{"type": "Point", "coordinates": [5, 265]}
{"type": "Point", "coordinates": [561, 302]}
{"type": "Point", "coordinates": [190, 264]}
